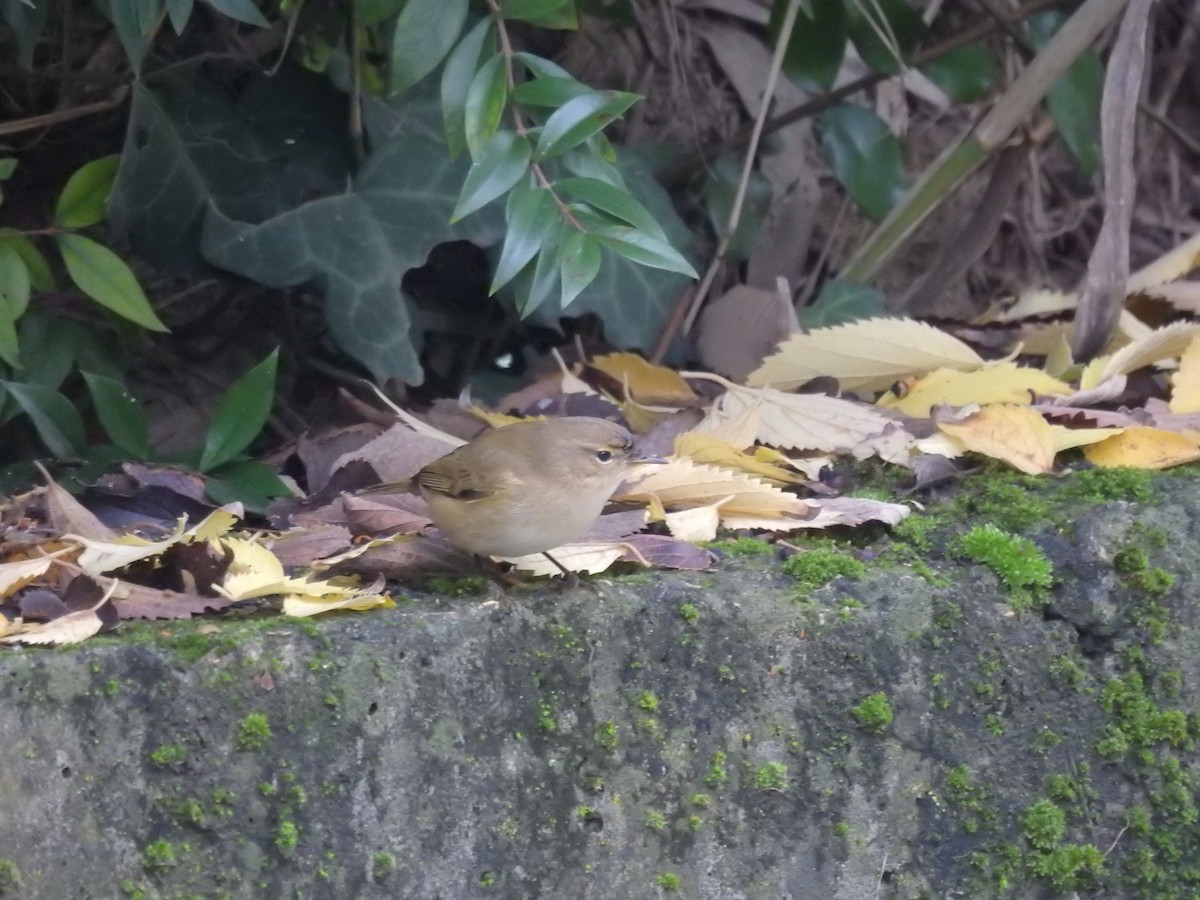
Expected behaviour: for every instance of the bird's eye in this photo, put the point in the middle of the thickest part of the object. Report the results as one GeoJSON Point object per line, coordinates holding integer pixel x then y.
{"type": "Point", "coordinates": [604, 455]}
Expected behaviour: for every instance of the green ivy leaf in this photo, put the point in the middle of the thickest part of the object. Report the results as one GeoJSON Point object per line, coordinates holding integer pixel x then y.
{"type": "Point", "coordinates": [81, 202]}
{"type": "Point", "coordinates": [720, 190]}
{"type": "Point", "coordinates": [55, 419]}
{"type": "Point", "coordinates": [41, 276]}
{"type": "Point", "coordinates": [179, 12]}
{"type": "Point", "coordinates": [8, 165]}
{"type": "Point", "coordinates": [613, 200]}
{"type": "Point", "coordinates": [485, 104]}
{"type": "Point", "coordinates": [120, 413]}
{"type": "Point", "coordinates": [499, 165]}
{"type": "Point", "coordinates": [843, 301]}
{"type": "Point", "coordinates": [425, 32]}
{"type": "Point", "coordinates": [579, 264]}
{"type": "Point", "coordinates": [14, 284]}
{"type": "Point", "coordinates": [457, 76]}
{"type": "Point", "coordinates": [10, 348]}
{"type": "Point", "coordinates": [878, 41]}
{"type": "Point", "coordinates": [250, 482]}
{"type": "Point", "coordinates": [966, 74]}
{"type": "Point", "coordinates": [241, 413]}
{"type": "Point", "coordinates": [531, 217]}
{"type": "Point", "coordinates": [104, 277]}
{"type": "Point", "coordinates": [644, 249]}
{"type": "Point", "coordinates": [242, 10]}
{"type": "Point", "coordinates": [579, 119]}
{"type": "Point", "coordinates": [814, 53]}
{"type": "Point", "coordinates": [864, 155]}
{"type": "Point", "coordinates": [1074, 100]}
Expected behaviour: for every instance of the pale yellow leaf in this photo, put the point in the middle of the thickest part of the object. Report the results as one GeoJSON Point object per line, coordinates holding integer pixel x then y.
{"type": "Point", "coordinates": [1068, 438]}
{"type": "Point", "coordinates": [105, 556]}
{"type": "Point", "coordinates": [1016, 435]}
{"type": "Point", "coordinates": [1171, 265]}
{"type": "Point", "coordinates": [69, 629]}
{"type": "Point", "coordinates": [215, 524]}
{"type": "Point", "coordinates": [646, 382]}
{"type": "Point", "coordinates": [712, 451]}
{"type": "Point", "coordinates": [1144, 448]}
{"type": "Point", "coordinates": [298, 605]}
{"type": "Point", "coordinates": [1040, 302]}
{"type": "Point", "coordinates": [1185, 382]}
{"type": "Point", "coordinates": [682, 483]}
{"type": "Point", "coordinates": [15, 575]}
{"type": "Point", "coordinates": [1182, 295]}
{"type": "Point", "coordinates": [590, 557]}
{"type": "Point", "coordinates": [497, 419]}
{"type": "Point", "coordinates": [870, 354]}
{"type": "Point", "coordinates": [1164, 343]}
{"type": "Point", "coordinates": [1003, 382]}
{"type": "Point", "coordinates": [697, 524]}
{"type": "Point", "coordinates": [739, 431]}
{"type": "Point", "coordinates": [253, 571]}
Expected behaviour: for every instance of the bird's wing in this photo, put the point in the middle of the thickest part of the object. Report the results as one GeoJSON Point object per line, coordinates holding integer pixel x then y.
{"type": "Point", "coordinates": [447, 476]}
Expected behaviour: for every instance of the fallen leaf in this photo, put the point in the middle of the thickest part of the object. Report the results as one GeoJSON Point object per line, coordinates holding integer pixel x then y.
{"type": "Point", "coordinates": [67, 515]}
{"type": "Point", "coordinates": [1173, 264]}
{"type": "Point", "coordinates": [300, 605]}
{"type": "Point", "coordinates": [681, 482]}
{"type": "Point", "coordinates": [135, 601]}
{"type": "Point", "coordinates": [667, 553]}
{"type": "Point", "coordinates": [15, 575]}
{"type": "Point", "coordinates": [647, 383]}
{"type": "Point", "coordinates": [304, 546]}
{"type": "Point", "coordinates": [590, 557]}
{"type": "Point", "coordinates": [403, 514]}
{"type": "Point", "coordinates": [699, 523]}
{"type": "Point", "coordinates": [1003, 382]}
{"type": "Point", "coordinates": [704, 448]}
{"type": "Point", "coordinates": [1016, 435]}
{"type": "Point", "coordinates": [1144, 448]}
{"type": "Point", "coordinates": [69, 629]}
{"type": "Point", "coordinates": [1185, 382]}
{"type": "Point", "coordinates": [737, 330]}
{"type": "Point", "coordinates": [1159, 345]}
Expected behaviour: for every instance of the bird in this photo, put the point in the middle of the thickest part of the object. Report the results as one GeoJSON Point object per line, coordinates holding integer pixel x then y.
{"type": "Point", "coordinates": [526, 487]}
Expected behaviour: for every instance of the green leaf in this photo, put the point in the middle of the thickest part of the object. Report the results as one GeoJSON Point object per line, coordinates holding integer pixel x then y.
{"type": "Point", "coordinates": [533, 288]}
{"type": "Point", "coordinates": [179, 12]}
{"type": "Point", "coordinates": [457, 76]}
{"type": "Point", "coordinates": [41, 276]}
{"type": "Point", "coordinates": [104, 277]}
{"type": "Point", "coordinates": [814, 53]}
{"type": "Point", "coordinates": [579, 264]}
{"type": "Point", "coordinates": [499, 166]}
{"type": "Point", "coordinates": [25, 19]}
{"type": "Point", "coordinates": [540, 67]}
{"type": "Point", "coordinates": [579, 119]}
{"type": "Point", "coordinates": [552, 92]}
{"type": "Point", "coordinates": [531, 217]}
{"type": "Point", "coordinates": [120, 413]}
{"type": "Point", "coordinates": [878, 41]}
{"type": "Point", "coordinates": [485, 104]}
{"type": "Point", "coordinates": [81, 202]}
{"type": "Point", "coordinates": [10, 349]}
{"type": "Point", "coordinates": [56, 421]}
{"type": "Point", "coordinates": [8, 165]}
{"type": "Point", "coordinates": [242, 10]}
{"type": "Point", "coordinates": [720, 189]}
{"type": "Point", "coordinates": [425, 32]}
{"type": "Point", "coordinates": [615, 201]}
{"type": "Point", "coordinates": [1074, 100]}
{"type": "Point", "coordinates": [586, 165]}
{"type": "Point", "coordinates": [250, 482]}
{"type": "Point", "coordinates": [564, 18]}
{"type": "Point", "coordinates": [372, 12]}
{"type": "Point", "coordinates": [241, 413]}
{"type": "Point", "coordinates": [864, 155]}
{"type": "Point", "coordinates": [529, 10]}
{"type": "Point", "coordinates": [966, 74]}
{"type": "Point", "coordinates": [14, 283]}
{"type": "Point", "coordinates": [843, 301]}
{"type": "Point", "coordinates": [644, 249]}
{"type": "Point", "coordinates": [126, 18]}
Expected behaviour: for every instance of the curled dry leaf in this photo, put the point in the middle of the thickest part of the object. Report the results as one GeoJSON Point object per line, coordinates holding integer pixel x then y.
{"type": "Point", "coordinates": [135, 601]}
{"type": "Point", "coordinates": [1003, 382]}
{"type": "Point", "coordinates": [704, 448]}
{"type": "Point", "coordinates": [1185, 383]}
{"type": "Point", "coordinates": [590, 557]}
{"type": "Point", "coordinates": [15, 575]}
{"type": "Point", "coordinates": [683, 483]}
{"type": "Point", "coordinates": [700, 523]}
{"type": "Point", "coordinates": [1160, 345]}
{"type": "Point", "coordinates": [1145, 448]}
{"type": "Point", "coordinates": [1016, 435]}
{"type": "Point", "coordinates": [647, 383]}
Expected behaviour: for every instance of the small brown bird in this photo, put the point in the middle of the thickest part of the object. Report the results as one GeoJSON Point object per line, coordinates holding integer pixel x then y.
{"type": "Point", "coordinates": [526, 487]}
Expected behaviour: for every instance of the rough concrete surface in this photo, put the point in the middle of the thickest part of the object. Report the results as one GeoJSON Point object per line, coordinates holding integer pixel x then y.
{"type": "Point", "coordinates": [692, 735]}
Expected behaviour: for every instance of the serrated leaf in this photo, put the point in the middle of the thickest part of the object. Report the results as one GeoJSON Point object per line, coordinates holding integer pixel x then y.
{"type": "Point", "coordinates": [579, 264]}
{"type": "Point", "coordinates": [552, 92]}
{"type": "Point", "coordinates": [1074, 100]}
{"type": "Point", "coordinates": [579, 119]}
{"type": "Point", "coordinates": [14, 284]}
{"type": "Point", "coordinates": [814, 53]}
{"type": "Point", "coordinates": [615, 201]}
{"type": "Point", "coordinates": [485, 104]}
{"type": "Point", "coordinates": [241, 413]}
{"type": "Point", "coordinates": [242, 10]}
{"type": "Point", "coordinates": [57, 423]}
{"type": "Point", "coordinates": [966, 74]}
{"type": "Point", "coordinates": [644, 249]}
{"type": "Point", "coordinates": [529, 10]}
{"type": "Point", "coordinates": [41, 276]}
{"type": "Point", "coordinates": [457, 75]}
{"type": "Point", "coordinates": [425, 32]}
{"type": "Point", "coordinates": [81, 202]}
{"type": "Point", "coordinates": [105, 277]}
{"type": "Point", "coordinates": [499, 165]}
{"type": "Point", "coordinates": [120, 413]}
{"type": "Point", "coordinates": [864, 155]}
{"type": "Point", "coordinates": [886, 43]}
{"type": "Point", "coordinates": [531, 218]}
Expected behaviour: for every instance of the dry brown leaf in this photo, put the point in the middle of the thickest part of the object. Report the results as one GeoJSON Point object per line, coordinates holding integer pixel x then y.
{"type": "Point", "coordinates": [647, 383]}
{"type": "Point", "coordinates": [400, 451]}
{"type": "Point", "coordinates": [737, 330]}
{"type": "Point", "coordinates": [134, 601]}
{"type": "Point", "coordinates": [1003, 382]}
{"type": "Point", "coordinates": [1016, 435]}
{"type": "Point", "coordinates": [366, 515]}
{"type": "Point", "coordinates": [667, 552]}
{"type": "Point", "coordinates": [409, 556]}
{"type": "Point", "coordinates": [1159, 345]}
{"type": "Point", "coordinates": [68, 516]}
{"type": "Point", "coordinates": [1185, 382]}
{"type": "Point", "coordinates": [870, 354]}
{"type": "Point", "coordinates": [1144, 448]}
{"type": "Point", "coordinates": [302, 547]}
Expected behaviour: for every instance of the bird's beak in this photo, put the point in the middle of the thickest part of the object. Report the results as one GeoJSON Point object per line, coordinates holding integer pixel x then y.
{"type": "Point", "coordinates": [640, 459]}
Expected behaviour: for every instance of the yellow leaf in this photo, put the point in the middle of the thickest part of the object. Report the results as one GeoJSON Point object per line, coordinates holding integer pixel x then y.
{"type": "Point", "coordinates": [870, 354]}
{"type": "Point", "coordinates": [1003, 382]}
{"type": "Point", "coordinates": [1171, 265]}
{"type": "Point", "coordinates": [1067, 438]}
{"type": "Point", "coordinates": [1161, 344]}
{"type": "Point", "coordinates": [215, 524]}
{"type": "Point", "coordinates": [15, 575]}
{"type": "Point", "coordinates": [1185, 383]}
{"type": "Point", "coordinates": [647, 383]}
{"type": "Point", "coordinates": [1034, 303]}
{"type": "Point", "coordinates": [69, 629]}
{"type": "Point", "coordinates": [681, 483]}
{"type": "Point", "coordinates": [254, 571]}
{"type": "Point", "coordinates": [495, 419]}
{"type": "Point", "coordinates": [699, 523]}
{"type": "Point", "coordinates": [298, 605]}
{"type": "Point", "coordinates": [1144, 448]}
{"type": "Point", "coordinates": [1017, 435]}
{"type": "Point", "coordinates": [704, 448]}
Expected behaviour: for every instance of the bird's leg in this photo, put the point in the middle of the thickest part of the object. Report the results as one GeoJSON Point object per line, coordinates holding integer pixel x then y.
{"type": "Point", "coordinates": [570, 579]}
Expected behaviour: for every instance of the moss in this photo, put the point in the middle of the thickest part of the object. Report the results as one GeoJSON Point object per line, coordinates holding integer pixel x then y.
{"type": "Point", "coordinates": [547, 721]}
{"type": "Point", "coordinates": [874, 713]}
{"type": "Point", "coordinates": [112, 687]}
{"type": "Point", "coordinates": [771, 776]}
{"type": "Point", "coordinates": [1044, 825]}
{"type": "Point", "coordinates": [742, 547]}
{"type": "Point", "coordinates": [694, 823]}
{"type": "Point", "coordinates": [689, 613]}
{"type": "Point", "coordinates": [607, 735]}
{"type": "Point", "coordinates": [158, 855]}
{"type": "Point", "coordinates": [487, 879]}
{"type": "Point", "coordinates": [1069, 867]}
{"type": "Point", "coordinates": [1103, 485]}
{"type": "Point", "coordinates": [842, 829]}
{"type": "Point", "coordinates": [168, 755]}
{"type": "Point", "coordinates": [252, 732]}
{"type": "Point", "coordinates": [383, 864]}
{"type": "Point", "coordinates": [287, 836]}
{"type": "Point", "coordinates": [1067, 672]}
{"type": "Point", "coordinates": [455, 586]}
{"type": "Point", "coordinates": [10, 877]}
{"type": "Point", "coordinates": [967, 797]}
{"type": "Point", "coordinates": [821, 564]}
{"type": "Point", "coordinates": [701, 800]}
{"type": "Point", "coordinates": [1016, 561]}
{"type": "Point", "coordinates": [655, 820]}
{"type": "Point", "coordinates": [668, 881]}
{"type": "Point", "coordinates": [717, 774]}
{"type": "Point", "coordinates": [646, 701]}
